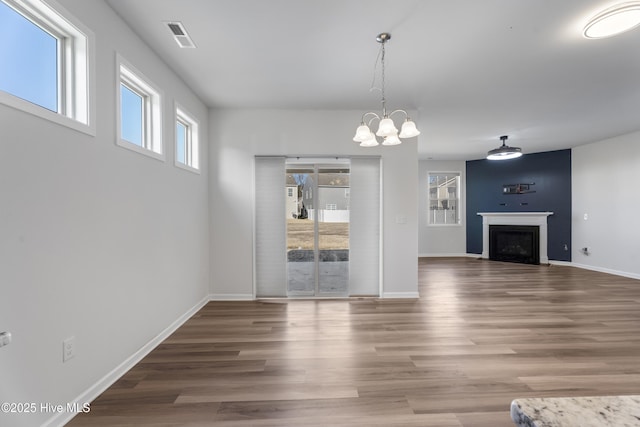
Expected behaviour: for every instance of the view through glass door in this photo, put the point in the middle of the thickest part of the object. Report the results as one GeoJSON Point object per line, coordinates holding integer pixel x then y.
{"type": "Point", "coordinates": [317, 209]}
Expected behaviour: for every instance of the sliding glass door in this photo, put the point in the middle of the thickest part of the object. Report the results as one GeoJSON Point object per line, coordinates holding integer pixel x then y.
{"type": "Point", "coordinates": [317, 227]}
{"type": "Point", "coordinates": [317, 209]}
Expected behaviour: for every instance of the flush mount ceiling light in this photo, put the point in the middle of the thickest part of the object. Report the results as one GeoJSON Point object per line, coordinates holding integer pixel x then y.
{"type": "Point", "coordinates": [504, 152]}
{"type": "Point", "coordinates": [386, 128]}
{"type": "Point", "coordinates": [614, 20]}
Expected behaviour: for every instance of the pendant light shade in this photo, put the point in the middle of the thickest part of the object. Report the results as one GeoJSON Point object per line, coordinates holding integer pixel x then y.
{"type": "Point", "coordinates": [408, 129]}
{"type": "Point", "coordinates": [504, 152]}
{"type": "Point", "coordinates": [391, 140]}
{"type": "Point", "coordinates": [387, 128]}
{"type": "Point", "coordinates": [362, 133]}
{"type": "Point", "coordinates": [369, 141]}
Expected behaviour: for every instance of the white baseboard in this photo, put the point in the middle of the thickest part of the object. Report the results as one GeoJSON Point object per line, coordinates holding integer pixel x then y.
{"type": "Point", "coordinates": [439, 255]}
{"type": "Point", "coordinates": [108, 380]}
{"type": "Point", "coordinates": [412, 295]}
{"type": "Point", "coordinates": [563, 263]}
{"type": "Point", "coordinates": [231, 297]}
{"type": "Point", "coordinates": [551, 262]}
{"type": "Point", "coordinates": [608, 270]}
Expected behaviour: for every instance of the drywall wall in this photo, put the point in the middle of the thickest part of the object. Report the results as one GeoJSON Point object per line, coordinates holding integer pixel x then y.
{"type": "Point", "coordinates": [239, 135]}
{"type": "Point", "coordinates": [606, 205]}
{"type": "Point", "coordinates": [550, 174]}
{"type": "Point", "coordinates": [98, 242]}
{"type": "Point", "coordinates": [450, 240]}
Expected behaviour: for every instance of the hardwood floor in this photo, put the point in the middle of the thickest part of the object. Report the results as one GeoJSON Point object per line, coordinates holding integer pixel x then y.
{"type": "Point", "coordinates": [481, 334]}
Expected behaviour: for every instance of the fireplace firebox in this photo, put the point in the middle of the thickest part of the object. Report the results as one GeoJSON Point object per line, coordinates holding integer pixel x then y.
{"type": "Point", "coordinates": [515, 243]}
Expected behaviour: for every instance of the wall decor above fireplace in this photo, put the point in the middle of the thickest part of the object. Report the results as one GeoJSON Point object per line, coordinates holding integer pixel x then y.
{"type": "Point", "coordinates": [518, 188]}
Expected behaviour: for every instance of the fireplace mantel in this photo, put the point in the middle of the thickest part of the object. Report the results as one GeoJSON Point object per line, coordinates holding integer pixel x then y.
{"type": "Point", "coordinates": [516, 218]}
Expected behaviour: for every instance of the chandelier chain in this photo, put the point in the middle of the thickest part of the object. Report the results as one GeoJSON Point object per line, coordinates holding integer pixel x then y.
{"type": "Point", "coordinates": [384, 100]}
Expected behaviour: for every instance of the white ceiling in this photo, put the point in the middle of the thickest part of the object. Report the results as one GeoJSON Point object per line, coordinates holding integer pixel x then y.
{"type": "Point", "coordinates": [473, 69]}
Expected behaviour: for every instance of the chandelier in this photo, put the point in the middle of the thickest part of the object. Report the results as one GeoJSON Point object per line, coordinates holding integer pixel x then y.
{"type": "Point", "coordinates": [504, 152]}
{"type": "Point", "coordinates": [386, 128]}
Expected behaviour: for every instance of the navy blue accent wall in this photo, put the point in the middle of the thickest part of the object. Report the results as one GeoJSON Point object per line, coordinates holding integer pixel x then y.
{"type": "Point", "coordinates": [551, 173]}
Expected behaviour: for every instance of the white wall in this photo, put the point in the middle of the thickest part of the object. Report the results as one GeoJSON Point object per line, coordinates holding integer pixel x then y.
{"type": "Point", "coordinates": [441, 240]}
{"type": "Point", "coordinates": [97, 242]}
{"type": "Point", "coordinates": [605, 177]}
{"type": "Point", "coordinates": [238, 135]}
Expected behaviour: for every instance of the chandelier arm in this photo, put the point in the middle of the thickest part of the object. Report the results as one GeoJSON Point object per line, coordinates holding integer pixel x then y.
{"type": "Point", "coordinates": [406, 115]}
{"type": "Point", "coordinates": [375, 116]}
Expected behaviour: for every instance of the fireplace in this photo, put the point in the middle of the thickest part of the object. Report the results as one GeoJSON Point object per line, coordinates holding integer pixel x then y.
{"type": "Point", "coordinates": [537, 219]}
{"type": "Point", "coordinates": [515, 243]}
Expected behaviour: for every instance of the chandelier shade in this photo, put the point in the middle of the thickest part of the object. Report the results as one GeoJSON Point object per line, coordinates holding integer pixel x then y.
{"type": "Point", "coordinates": [504, 152]}
{"type": "Point", "coordinates": [387, 129]}
{"type": "Point", "coordinates": [362, 133]}
{"type": "Point", "coordinates": [370, 142]}
{"type": "Point", "coordinates": [391, 140]}
{"type": "Point", "coordinates": [408, 129]}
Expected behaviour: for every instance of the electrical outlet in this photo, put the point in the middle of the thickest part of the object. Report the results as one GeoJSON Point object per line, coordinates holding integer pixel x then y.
{"type": "Point", "coordinates": [68, 349]}
{"type": "Point", "coordinates": [5, 338]}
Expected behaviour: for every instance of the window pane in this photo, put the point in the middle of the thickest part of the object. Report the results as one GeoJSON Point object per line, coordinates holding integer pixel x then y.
{"type": "Point", "coordinates": [28, 60]}
{"type": "Point", "coordinates": [444, 199]}
{"type": "Point", "coordinates": [132, 113]}
{"type": "Point", "coordinates": [181, 138]}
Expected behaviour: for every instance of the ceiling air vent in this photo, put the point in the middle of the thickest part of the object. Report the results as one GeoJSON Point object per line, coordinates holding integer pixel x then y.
{"type": "Point", "coordinates": [180, 35]}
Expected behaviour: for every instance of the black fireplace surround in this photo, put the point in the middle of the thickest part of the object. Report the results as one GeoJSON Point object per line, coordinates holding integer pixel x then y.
{"type": "Point", "coordinates": [515, 243]}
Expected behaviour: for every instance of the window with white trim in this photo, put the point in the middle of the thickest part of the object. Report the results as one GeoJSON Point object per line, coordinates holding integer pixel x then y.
{"type": "Point", "coordinates": [444, 198]}
{"type": "Point", "coordinates": [45, 59]}
{"type": "Point", "coordinates": [186, 140]}
{"type": "Point", "coordinates": [139, 112]}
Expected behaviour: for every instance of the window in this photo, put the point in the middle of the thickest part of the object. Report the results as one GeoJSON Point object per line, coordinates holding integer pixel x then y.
{"type": "Point", "coordinates": [45, 58]}
{"type": "Point", "coordinates": [186, 140]}
{"type": "Point", "coordinates": [140, 110]}
{"type": "Point", "coordinates": [289, 192]}
{"type": "Point", "coordinates": [132, 115]}
{"type": "Point", "coordinates": [331, 207]}
{"type": "Point", "coordinates": [444, 198]}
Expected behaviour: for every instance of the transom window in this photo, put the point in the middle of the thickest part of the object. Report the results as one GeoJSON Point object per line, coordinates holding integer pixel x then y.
{"type": "Point", "coordinates": [140, 111]}
{"type": "Point", "coordinates": [132, 115]}
{"type": "Point", "coordinates": [44, 62]}
{"type": "Point", "coordinates": [444, 198]}
{"type": "Point", "coordinates": [186, 140]}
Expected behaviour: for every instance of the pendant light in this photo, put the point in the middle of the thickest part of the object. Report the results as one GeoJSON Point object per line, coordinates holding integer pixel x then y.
{"type": "Point", "coordinates": [504, 152]}
{"type": "Point", "coordinates": [386, 128]}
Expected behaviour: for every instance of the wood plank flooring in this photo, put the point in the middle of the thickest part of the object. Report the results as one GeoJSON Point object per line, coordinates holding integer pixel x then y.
{"type": "Point", "coordinates": [481, 334]}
